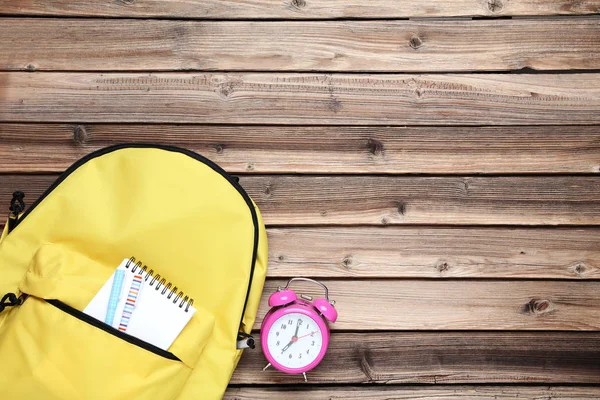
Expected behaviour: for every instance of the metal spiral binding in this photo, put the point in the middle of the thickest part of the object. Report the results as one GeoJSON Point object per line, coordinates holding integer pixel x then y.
{"type": "Point", "coordinates": [161, 282]}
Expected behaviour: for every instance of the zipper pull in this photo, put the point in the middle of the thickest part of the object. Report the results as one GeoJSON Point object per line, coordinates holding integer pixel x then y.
{"type": "Point", "coordinates": [17, 206]}
{"type": "Point", "coordinates": [11, 300]}
{"type": "Point", "coordinates": [245, 341]}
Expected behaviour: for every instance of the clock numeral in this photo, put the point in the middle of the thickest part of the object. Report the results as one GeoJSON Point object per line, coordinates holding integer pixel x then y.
{"type": "Point", "coordinates": [278, 343]}
{"type": "Point", "coordinates": [290, 356]}
{"type": "Point", "coordinates": [300, 356]}
{"type": "Point", "coordinates": [313, 343]}
{"type": "Point", "coordinates": [307, 326]}
{"type": "Point", "coordinates": [290, 322]}
{"type": "Point", "coordinates": [307, 351]}
{"type": "Point", "coordinates": [276, 333]}
{"type": "Point", "coordinates": [283, 326]}
{"type": "Point", "coordinates": [300, 322]}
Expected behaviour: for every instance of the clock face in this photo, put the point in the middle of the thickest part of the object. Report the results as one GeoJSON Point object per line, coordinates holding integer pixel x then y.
{"type": "Point", "coordinates": [295, 340]}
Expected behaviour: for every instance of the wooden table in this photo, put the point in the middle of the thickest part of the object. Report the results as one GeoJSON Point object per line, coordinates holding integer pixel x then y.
{"type": "Point", "coordinates": [434, 162]}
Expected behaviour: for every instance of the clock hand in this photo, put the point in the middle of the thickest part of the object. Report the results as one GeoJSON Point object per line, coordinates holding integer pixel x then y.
{"type": "Point", "coordinates": [297, 329]}
{"type": "Point", "coordinates": [294, 338]}
{"type": "Point", "coordinates": [308, 334]}
{"type": "Point", "coordinates": [287, 346]}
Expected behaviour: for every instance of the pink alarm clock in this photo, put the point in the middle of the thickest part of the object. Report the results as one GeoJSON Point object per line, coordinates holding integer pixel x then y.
{"type": "Point", "coordinates": [295, 333]}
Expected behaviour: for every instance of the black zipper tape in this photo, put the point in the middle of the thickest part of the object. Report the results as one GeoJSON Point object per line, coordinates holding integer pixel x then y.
{"type": "Point", "coordinates": [112, 331]}
{"type": "Point", "coordinates": [233, 181]}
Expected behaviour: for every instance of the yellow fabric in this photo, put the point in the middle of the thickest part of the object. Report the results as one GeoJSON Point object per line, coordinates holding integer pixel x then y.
{"type": "Point", "coordinates": [178, 216]}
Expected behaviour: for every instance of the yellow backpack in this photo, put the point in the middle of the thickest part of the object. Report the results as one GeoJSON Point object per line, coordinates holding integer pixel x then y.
{"type": "Point", "coordinates": [181, 215]}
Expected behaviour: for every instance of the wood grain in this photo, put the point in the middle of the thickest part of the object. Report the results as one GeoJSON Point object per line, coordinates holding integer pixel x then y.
{"type": "Point", "coordinates": [401, 200]}
{"type": "Point", "coordinates": [364, 46]}
{"type": "Point", "coordinates": [279, 98]}
{"type": "Point", "coordinates": [363, 253]}
{"type": "Point", "coordinates": [303, 392]}
{"type": "Point", "coordinates": [457, 304]}
{"type": "Point", "coordinates": [488, 253]}
{"type": "Point", "coordinates": [303, 200]}
{"type": "Point", "coordinates": [298, 9]}
{"type": "Point", "coordinates": [434, 253]}
{"type": "Point", "coordinates": [443, 358]}
{"type": "Point", "coordinates": [320, 149]}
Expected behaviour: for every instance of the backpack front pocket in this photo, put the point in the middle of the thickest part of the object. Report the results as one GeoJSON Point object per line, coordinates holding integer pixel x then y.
{"type": "Point", "coordinates": [55, 355]}
{"type": "Point", "coordinates": [52, 350]}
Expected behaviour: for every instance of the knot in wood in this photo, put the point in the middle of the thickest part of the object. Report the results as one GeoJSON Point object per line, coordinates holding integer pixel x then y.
{"type": "Point", "coordinates": [579, 268]}
{"type": "Point", "coordinates": [268, 190]}
{"type": "Point", "coordinates": [495, 5]}
{"type": "Point", "coordinates": [375, 147]}
{"type": "Point", "coordinates": [442, 267]}
{"type": "Point", "coordinates": [347, 261]}
{"type": "Point", "coordinates": [226, 89]}
{"type": "Point", "coordinates": [401, 207]}
{"type": "Point", "coordinates": [299, 3]}
{"type": "Point", "coordinates": [366, 366]}
{"type": "Point", "coordinates": [539, 306]}
{"type": "Point", "coordinates": [30, 67]}
{"type": "Point", "coordinates": [415, 42]}
{"type": "Point", "coordinates": [281, 257]}
{"type": "Point", "coordinates": [219, 148]}
{"type": "Point", "coordinates": [80, 135]}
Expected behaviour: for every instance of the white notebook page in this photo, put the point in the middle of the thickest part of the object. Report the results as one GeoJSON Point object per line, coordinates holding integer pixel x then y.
{"type": "Point", "coordinates": [155, 319]}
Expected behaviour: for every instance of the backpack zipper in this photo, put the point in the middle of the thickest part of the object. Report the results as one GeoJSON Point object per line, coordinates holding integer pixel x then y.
{"type": "Point", "coordinates": [110, 330]}
{"type": "Point", "coordinates": [11, 300]}
{"type": "Point", "coordinates": [17, 206]}
{"type": "Point", "coordinates": [233, 181]}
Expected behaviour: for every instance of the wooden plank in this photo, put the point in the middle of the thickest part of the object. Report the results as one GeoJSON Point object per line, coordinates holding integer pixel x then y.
{"type": "Point", "coordinates": [368, 46]}
{"type": "Point", "coordinates": [320, 149]}
{"type": "Point", "coordinates": [395, 252]}
{"type": "Point", "coordinates": [279, 98]}
{"type": "Point", "coordinates": [413, 393]}
{"type": "Point", "coordinates": [395, 200]}
{"type": "Point", "coordinates": [434, 253]}
{"type": "Point", "coordinates": [401, 200]}
{"type": "Point", "coordinates": [298, 9]}
{"type": "Point", "coordinates": [457, 304]}
{"type": "Point", "coordinates": [442, 358]}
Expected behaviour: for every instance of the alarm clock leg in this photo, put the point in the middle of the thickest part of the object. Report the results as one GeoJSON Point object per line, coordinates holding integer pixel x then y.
{"type": "Point", "coordinates": [268, 365]}
{"type": "Point", "coordinates": [305, 379]}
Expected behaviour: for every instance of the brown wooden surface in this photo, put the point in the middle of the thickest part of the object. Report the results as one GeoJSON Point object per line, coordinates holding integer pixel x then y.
{"type": "Point", "coordinates": [458, 304]}
{"type": "Point", "coordinates": [401, 200]}
{"type": "Point", "coordinates": [444, 190]}
{"type": "Point", "coordinates": [284, 98]}
{"type": "Point", "coordinates": [391, 46]}
{"type": "Point", "coordinates": [360, 252]}
{"type": "Point", "coordinates": [260, 9]}
{"type": "Point", "coordinates": [443, 358]}
{"type": "Point", "coordinates": [320, 149]}
{"type": "Point", "coordinates": [305, 392]}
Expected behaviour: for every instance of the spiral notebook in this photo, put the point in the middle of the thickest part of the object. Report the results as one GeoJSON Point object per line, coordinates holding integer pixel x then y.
{"type": "Point", "coordinates": [148, 307]}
